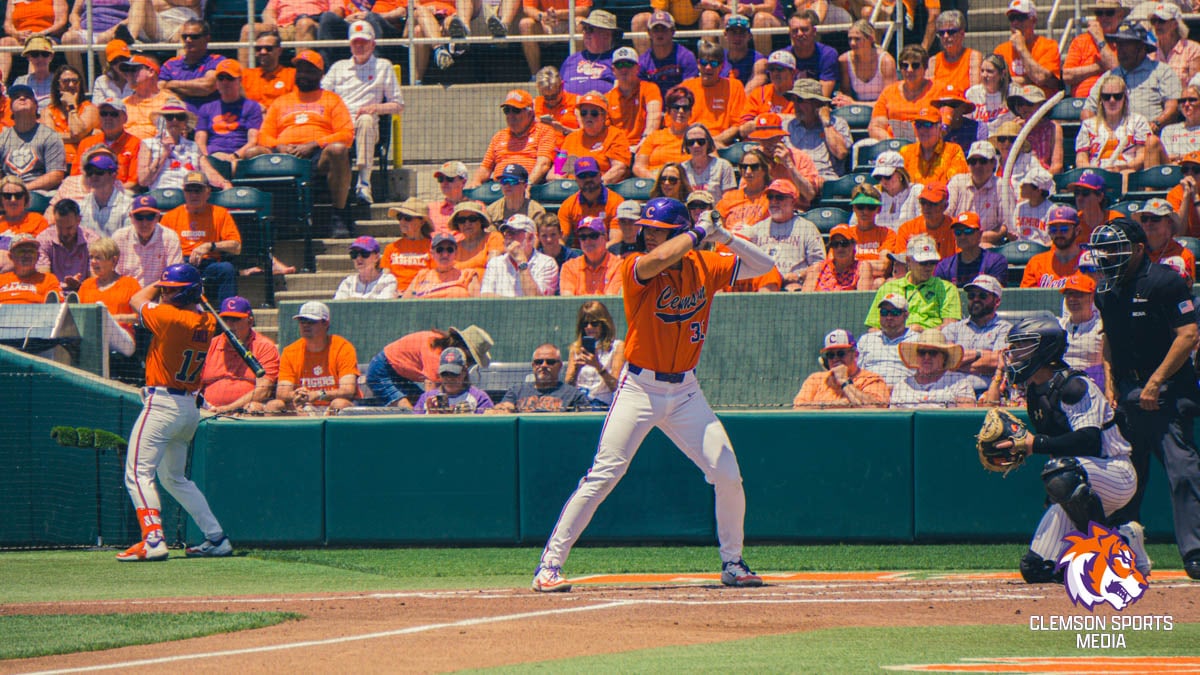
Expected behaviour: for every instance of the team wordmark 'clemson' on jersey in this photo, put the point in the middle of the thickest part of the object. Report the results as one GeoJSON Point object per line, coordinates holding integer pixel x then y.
{"type": "Point", "coordinates": [667, 315]}
{"type": "Point", "coordinates": [179, 347]}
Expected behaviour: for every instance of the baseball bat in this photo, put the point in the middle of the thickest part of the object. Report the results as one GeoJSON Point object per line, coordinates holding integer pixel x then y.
{"type": "Point", "coordinates": [240, 348]}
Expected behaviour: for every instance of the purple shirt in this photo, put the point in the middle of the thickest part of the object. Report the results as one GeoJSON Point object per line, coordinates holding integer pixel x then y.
{"type": "Point", "coordinates": [228, 124]}
{"type": "Point", "coordinates": [107, 13]}
{"type": "Point", "coordinates": [744, 68]}
{"type": "Point", "coordinates": [584, 71]}
{"type": "Point", "coordinates": [822, 65]}
{"type": "Point", "coordinates": [666, 73]}
{"type": "Point", "coordinates": [960, 274]}
{"type": "Point", "coordinates": [65, 261]}
{"type": "Point", "coordinates": [178, 69]}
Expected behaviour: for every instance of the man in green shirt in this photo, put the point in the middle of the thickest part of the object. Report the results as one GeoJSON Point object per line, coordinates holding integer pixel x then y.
{"type": "Point", "coordinates": [932, 302]}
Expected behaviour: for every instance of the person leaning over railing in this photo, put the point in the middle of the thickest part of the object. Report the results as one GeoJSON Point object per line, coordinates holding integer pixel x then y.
{"type": "Point", "coordinates": [408, 366]}
{"type": "Point", "coordinates": [843, 383]}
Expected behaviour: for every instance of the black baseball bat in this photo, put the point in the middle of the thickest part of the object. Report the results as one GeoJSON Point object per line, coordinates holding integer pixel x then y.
{"type": "Point", "coordinates": [240, 348]}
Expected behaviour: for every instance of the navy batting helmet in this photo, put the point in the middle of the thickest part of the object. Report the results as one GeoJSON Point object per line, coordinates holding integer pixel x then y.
{"type": "Point", "coordinates": [666, 213]}
{"type": "Point", "coordinates": [185, 278]}
{"type": "Point", "coordinates": [1033, 343]}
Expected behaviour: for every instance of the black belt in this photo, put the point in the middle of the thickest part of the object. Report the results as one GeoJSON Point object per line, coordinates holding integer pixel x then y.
{"type": "Point", "coordinates": [673, 378]}
{"type": "Point", "coordinates": [173, 391]}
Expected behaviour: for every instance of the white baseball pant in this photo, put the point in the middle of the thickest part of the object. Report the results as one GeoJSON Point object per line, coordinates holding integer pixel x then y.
{"type": "Point", "coordinates": [1113, 480]}
{"type": "Point", "coordinates": [681, 411]}
{"type": "Point", "coordinates": [159, 444]}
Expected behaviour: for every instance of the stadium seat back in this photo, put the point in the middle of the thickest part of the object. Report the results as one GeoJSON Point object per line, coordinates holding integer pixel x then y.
{"type": "Point", "coordinates": [865, 155]}
{"type": "Point", "coordinates": [167, 198]}
{"type": "Point", "coordinates": [1156, 181]}
{"type": "Point", "coordinates": [635, 188]}
{"type": "Point", "coordinates": [486, 193]}
{"type": "Point", "coordinates": [734, 153]}
{"type": "Point", "coordinates": [827, 218]}
{"type": "Point", "coordinates": [1067, 110]}
{"type": "Point", "coordinates": [552, 194]}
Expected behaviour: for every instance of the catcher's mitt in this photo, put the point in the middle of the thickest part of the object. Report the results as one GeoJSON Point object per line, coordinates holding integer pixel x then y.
{"type": "Point", "coordinates": [1000, 425]}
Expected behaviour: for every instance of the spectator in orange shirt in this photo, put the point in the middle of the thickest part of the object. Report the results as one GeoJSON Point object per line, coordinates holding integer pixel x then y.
{"type": "Point", "coordinates": [548, 17]}
{"type": "Point", "coordinates": [635, 106]}
{"type": "Point", "coordinates": [1160, 222]}
{"type": "Point", "coordinates": [747, 204]}
{"type": "Point", "coordinates": [1183, 196]}
{"type": "Point", "coordinates": [269, 80]}
{"type": "Point", "coordinates": [957, 64]}
{"type": "Point", "coordinates": [1086, 59]}
{"type": "Point", "coordinates": [718, 100]}
{"type": "Point", "coordinates": [17, 219]}
{"type": "Point", "coordinates": [931, 158]}
{"type": "Point", "coordinates": [787, 162]}
{"type": "Point", "coordinates": [445, 279]}
{"type": "Point", "coordinates": [106, 286]}
{"type": "Point", "coordinates": [410, 254]}
{"type": "Point", "coordinates": [25, 285]}
{"type": "Point", "coordinates": [596, 272]}
{"type": "Point", "coordinates": [933, 221]}
{"type": "Point", "coordinates": [228, 383]}
{"type": "Point", "coordinates": [477, 242]}
{"type": "Point", "coordinates": [552, 105]}
{"type": "Point", "coordinates": [872, 240]}
{"type": "Point", "coordinates": [1033, 59]}
{"type": "Point", "coordinates": [208, 237]}
{"type": "Point", "coordinates": [899, 102]}
{"type": "Point", "coordinates": [596, 139]}
{"type": "Point", "coordinates": [68, 112]}
{"type": "Point", "coordinates": [23, 20]}
{"type": "Point", "coordinates": [124, 145]}
{"type": "Point", "coordinates": [592, 199]}
{"type": "Point", "coordinates": [666, 144]}
{"type": "Point", "coordinates": [524, 141]}
{"type": "Point", "coordinates": [320, 370]}
{"type": "Point", "coordinates": [842, 383]}
{"type": "Point", "coordinates": [147, 99]}
{"type": "Point", "coordinates": [772, 97]}
{"type": "Point", "coordinates": [314, 124]}
{"type": "Point", "coordinates": [1051, 269]}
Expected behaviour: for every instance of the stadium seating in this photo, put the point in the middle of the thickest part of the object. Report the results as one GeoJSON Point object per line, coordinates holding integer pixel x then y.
{"type": "Point", "coordinates": [486, 193]}
{"type": "Point", "coordinates": [251, 210]}
{"type": "Point", "coordinates": [167, 198]}
{"type": "Point", "coordinates": [1112, 183]}
{"type": "Point", "coordinates": [1127, 208]}
{"type": "Point", "coordinates": [827, 218]}
{"type": "Point", "coordinates": [1190, 243]}
{"type": "Point", "coordinates": [836, 193]}
{"type": "Point", "coordinates": [1156, 181]}
{"type": "Point", "coordinates": [1066, 112]}
{"type": "Point", "coordinates": [222, 167]}
{"type": "Point", "coordinates": [634, 188]}
{"type": "Point", "coordinates": [289, 181]}
{"type": "Point", "coordinates": [1018, 253]}
{"type": "Point", "coordinates": [552, 194]}
{"type": "Point", "coordinates": [38, 202]}
{"type": "Point", "coordinates": [858, 117]}
{"type": "Point", "coordinates": [733, 154]}
{"type": "Point", "coordinates": [864, 155]}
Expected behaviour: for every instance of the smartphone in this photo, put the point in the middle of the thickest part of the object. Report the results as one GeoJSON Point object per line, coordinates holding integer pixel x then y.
{"type": "Point", "coordinates": [589, 344]}
{"type": "Point", "coordinates": [441, 402]}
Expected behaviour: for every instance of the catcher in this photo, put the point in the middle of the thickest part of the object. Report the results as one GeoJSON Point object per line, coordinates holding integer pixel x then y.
{"type": "Point", "coordinates": [1089, 474]}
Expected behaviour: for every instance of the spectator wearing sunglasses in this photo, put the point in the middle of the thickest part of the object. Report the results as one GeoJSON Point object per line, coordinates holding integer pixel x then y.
{"type": "Point", "coordinates": [1090, 54]}
{"type": "Point", "coordinates": [1173, 46]}
{"type": "Point", "coordinates": [900, 102]}
{"type": "Point", "coordinates": [1153, 87]}
{"type": "Point", "coordinates": [1050, 269]}
{"type": "Point", "coordinates": [228, 127]}
{"type": "Point", "coordinates": [592, 199]}
{"type": "Point", "coordinates": [1183, 196]}
{"type": "Point", "coordinates": [935, 382]}
{"type": "Point", "coordinates": [114, 137]}
{"type": "Point", "coordinates": [667, 144]}
{"type": "Point", "coordinates": [747, 204]}
{"type": "Point", "coordinates": [1182, 138]}
{"type": "Point", "coordinates": [596, 271]}
{"type": "Point", "coordinates": [209, 237]}
{"type": "Point", "coordinates": [29, 150]}
{"type": "Point", "coordinates": [293, 19]}
{"type": "Point", "coordinates": [596, 139]}
{"type": "Point", "coordinates": [719, 101]}
{"type": "Point", "coordinates": [514, 186]}
{"type": "Point", "coordinates": [68, 111]}
{"type": "Point", "coordinates": [1045, 140]}
{"type": "Point", "coordinates": [370, 281]}
{"type": "Point", "coordinates": [773, 96]}
{"type": "Point", "coordinates": [39, 52]}
{"type": "Point", "coordinates": [147, 248]}
{"type": "Point", "coordinates": [524, 141]}
{"type": "Point", "coordinates": [319, 371]}
{"type": "Point", "coordinates": [663, 61]}
{"type": "Point", "coordinates": [477, 241]}
{"type": "Point", "coordinates": [932, 302]}
{"type": "Point", "coordinates": [956, 64]}
{"type": "Point", "coordinates": [794, 242]}
{"type": "Point", "coordinates": [554, 106]}
{"type": "Point", "coordinates": [454, 393]}
{"type": "Point", "coordinates": [1091, 203]}
{"type": "Point", "coordinates": [522, 271]}
{"type": "Point", "coordinates": [877, 350]}
{"type": "Point", "coordinates": [589, 69]}
{"type": "Point", "coordinates": [105, 206]}
{"type": "Point", "coordinates": [634, 105]}
{"type": "Point", "coordinates": [841, 270]}
{"type": "Point", "coordinates": [980, 192]}
{"type": "Point", "coordinates": [816, 132]}
{"type": "Point", "coordinates": [703, 168]}
{"type": "Point", "coordinates": [1034, 59]}
{"type": "Point", "coordinates": [410, 253]}
{"type": "Point", "coordinates": [17, 218]}
{"type": "Point", "coordinates": [445, 279]}
{"type": "Point", "coordinates": [192, 76]}
{"type": "Point", "coordinates": [843, 383]}
{"type": "Point", "coordinates": [955, 109]}
{"type": "Point", "coordinates": [742, 60]}
{"type": "Point", "coordinates": [270, 79]}
{"type": "Point", "coordinates": [1115, 139]}
{"type": "Point", "coordinates": [547, 393]}
{"type": "Point", "coordinates": [146, 99]}
{"type": "Point", "coordinates": [408, 367]}
{"type": "Point", "coordinates": [166, 159]}
{"type": "Point", "coordinates": [112, 84]}
{"type": "Point", "coordinates": [981, 334]}
{"type": "Point", "coordinates": [971, 260]}
{"type": "Point", "coordinates": [672, 181]}
{"type": "Point", "coordinates": [931, 159]}
{"type": "Point", "coordinates": [596, 371]}
{"type": "Point", "coordinates": [1160, 223]}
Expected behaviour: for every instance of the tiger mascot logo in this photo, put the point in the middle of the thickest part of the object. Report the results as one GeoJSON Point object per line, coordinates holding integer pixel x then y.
{"type": "Point", "coordinates": [1099, 567]}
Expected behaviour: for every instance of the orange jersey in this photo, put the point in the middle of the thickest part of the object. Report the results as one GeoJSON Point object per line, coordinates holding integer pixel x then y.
{"type": "Point", "coordinates": [1044, 51]}
{"type": "Point", "coordinates": [127, 146]}
{"type": "Point", "coordinates": [766, 100]}
{"type": "Point", "coordinates": [1044, 270]}
{"type": "Point", "coordinates": [612, 147]}
{"type": "Point", "coordinates": [318, 370]}
{"type": "Point", "coordinates": [944, 236]}
{"type": "Point", "coordinates": [577, 277]}
{"type": "Point", "coordinates": [1083, 52]}
{"type": "Point", "coordinates": [210, 225]}
{"type": "Point", "coordinates": [305, 117]}
{"type": "Point", "coordinates": [892, 104]}
{"type": "Point", "coordinates": [629, 113]}
{"type": "Point", "coordinates": [667, 314]}
{"type": "Point", "coordinates": [58, 122]}
{"type": "Point", "coordinates": [948, 161]}
{"type": "Point", "coordinates": [493, 243]}
{"type": "Point", "coordinates": [405, 258]}
{"type": "Point", "coordinates": [576, 207]}
{"type": "Point", "coordinates": [179, 347]}
{"type": "Point", "coordinates": [958, 73]}
{"type": "Point", "coordinates": [34, 16]}
{"type": "Point", "coordinates": [31, 291]}
{"type": "Point", "coordinates": [504, 149]}
{"type": "Point", "coordinates": [115, 297]}
{"type": "Point", "coordinates": [738, 211]}
{"type": "Point", "coordinates": [139, 113]}
{"type": "Point", "coordinates": [662, 147]}
{"type": "Point", "coordinates": [872, 244]}
{"type": "Point", "coordinates": [31, 222]}
{"type": "Point", "coordinates": [266, 88]}
{"type": "Point", "coordinates": [563, 113]}
{"type": "Point", "coordinates": [717, 107]}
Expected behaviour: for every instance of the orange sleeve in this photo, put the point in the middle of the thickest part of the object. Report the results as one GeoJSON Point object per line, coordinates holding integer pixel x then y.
{"type": "Point", "coordinates": [570, 281]}
{"type": "Point", "coordinates": [616, 147]}
{"type": "Point", "coordinates": [339, 119]}
{"type": "Point", "coordinates": [289, 363]}
{"type": "Point", "coordinates": [568, 214]}
{"type": "Point", "coordinates": [547, 139]}
{"type": "Point", "coordinates": [737, 102]}
{"type": "Point", "coordinates": [49, 283]}
{"type": "Point", "coordinates": [1048, 56]}
{"type": "Point", "coordinates": [493, 149]}
{"type": "Point", "coordinates": [1033, 270]}
{"type": "Point", "coordinates": [268, 134]}
{"type": "Point", "coordinates": [224, 225]}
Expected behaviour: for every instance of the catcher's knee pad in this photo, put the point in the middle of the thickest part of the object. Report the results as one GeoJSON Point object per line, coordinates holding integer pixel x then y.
{"type": "Point", "coordinates": [1067, 485]}
{"type": "Point", "coordinates": [1037, 570]}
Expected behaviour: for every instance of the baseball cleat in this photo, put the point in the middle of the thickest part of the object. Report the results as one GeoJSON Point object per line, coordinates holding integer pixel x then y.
{"type": "Point", "coordinates": [140, 552]}
{"type": "Point", "coordinates": [549, 579]}
{"type": "Point", "coordinates": [1135, 536]}
{"type": "Point", "coordinates": [210, 549]}
{"type": "Point", "coordinates": [1192, 566]}
{"type": "Point", "coordinates": [738, 573]}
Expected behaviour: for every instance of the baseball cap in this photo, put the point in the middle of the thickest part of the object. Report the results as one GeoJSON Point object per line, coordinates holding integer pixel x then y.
{"type": "Point", "coordinates": [1028, 93]}
{"type": "Point", "coordinates": [22, 239]}
{"type": "Point", "coordinates": [927, 115]}
{"type": "Point", "coordinates": [1039, 177]}
{"type": "Point", "coordinates": [1025, 7]}
{"type": "Point", "coordinates": [443, 237]}
{"type": "Point", "coordinates": [313, 311]}
{"type": "Point", "coordinates": [895, 300]}
{"type": "Point", "coordinates": [592, 98]}
{"type": "Point", "coordinates": [844, 230]}
{"type": "Point", "coordinates": [661, 17]}
{"type": "Point", "coordinates": [703, 196]}
{"type": "Point", "coordinates": [887, 163]}
{"type": "Point", "coordinates": [38, 43]}
{"type": "Point", "coordinates": [922, 248]}
{"type": "Point", "coordinates": [144, 61]}
{"type": "Point", "coordinates": [1088, 180]}
{"type": "Point", "coordinates": [968, 219]}
{"type": "Point", "coordinates": [625, 55]}
{"type": "Point", "coordinates": [1167, 11]}
{"type": "Point", "coordinates": [1156, 207]}
{"type": "Point", "coordinates": [520, 222]}
{"type": "Point", "coordinates": [229, 67]}
{"type": "Point", "coordinates": [361, 30]}
{"type": "Point", "coordinates": [310, 57]}
{"type": "Point", "coordinates": [116, 49]}
{"type": "Point", "coordinates": [767, 125]}
{"type": "Point", "coordinates": [934, 191]}
{"type": "Point", "coordinates": [515, 171]}
{"type": "Point", "coordinates": [783, 187]}
{"type": "Point", "coordinates": [838, 339]}
{"type": "Point", "coordinates": [629, 210]}
{"type": "Point", "coordinates": [988, 283]}
{"type": "Point", "coordinates": [782, 57]}
{"type": "Point", "coordinates": [102, 161]}
{"type": "Point", "coordinates": [951, 95]}
{"type": "Point", "coordinates": [451, 169]}
{"type": "Point", "coordinates": [195, 178]}
{"type": "Point", "coordinates": [1192, 157]}
{"type": "Point", "coordinates": [593, 223]}
{"type": "Point", "coordinates": [517, 98]}
{"type": "Point", "coordinates": [1062, 214]}
{"type": "Point", "coordinates": [1079, 281]}
{"type": "Point", "coordinates": [236, 306]}
{"type": "Point", "coordinates": [144, 203]}
{"type": "Point", "coordinates": [365, 243]}
{"type": "Point", "coordinates": [982, 149]}
{"type": "Point", "coordinates": [114, 103]}
{"type": "Point", "coordinates": [586, 165]}
{"type": "Point", "coordinates": [737, 21]}
{"type": "Point", "coordinates": [452, 361]}
{"type": "Point", "coordinates": [18, 90]}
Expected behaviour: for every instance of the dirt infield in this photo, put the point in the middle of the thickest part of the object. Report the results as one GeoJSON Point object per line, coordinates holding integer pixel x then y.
{"type": "Point", "coordinates": [447, 630]}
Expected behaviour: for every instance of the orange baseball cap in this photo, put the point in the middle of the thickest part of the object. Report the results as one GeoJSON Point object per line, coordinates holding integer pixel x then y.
{"type": "Point", "coordinates": [311, 58]}
{"type": "Point", "coordinates": [517, 98]}
{"type": "Point", "coordinates": [767, 125]}
{"type": "Point", "coordinates": [928, 115]}
{"type": "Point", "coordinates": [952, 96]}
{"type": "Point", "coordinates": [1079, 282]}
{"type": "Point", "coordinates": [967, 218]}
{"type": "Point", "coordinates": [934, 191]}
{"type": "Point", "coordinates": [116, 49]}
{"type": "Point", "coordinates": [592, 98]}
{"type": "Point", "coordinates": [229, 67]}
{"type": "Point", "coordinates": [783, 187]}
{"type": "Point", "coordinates": [844, 230]}
{"type": "Point", "coordinates": [1192, 157]}
{"type": "Point", "coordinates": [144, 61]}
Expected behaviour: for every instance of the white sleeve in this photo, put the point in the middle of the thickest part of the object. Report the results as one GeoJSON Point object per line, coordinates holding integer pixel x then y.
{"type": "Point", "coordinates": [385, 288]}
{"type": "Point", "coordinates": [345, 290]}
{"type": "Point", "coordinates": [544, 271]}
{"type": "Point", "coordinates": [490, 277]}
{"type": "Point", "coordinates": [391, 87]}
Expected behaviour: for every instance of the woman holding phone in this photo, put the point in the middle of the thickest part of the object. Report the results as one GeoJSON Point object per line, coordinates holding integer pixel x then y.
{"type": "Point", "coordinates": [596, 356]}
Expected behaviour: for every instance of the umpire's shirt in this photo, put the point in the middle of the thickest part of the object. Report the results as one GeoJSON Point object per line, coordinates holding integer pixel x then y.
{"type": "Point", "coordinates": [1140, 317]}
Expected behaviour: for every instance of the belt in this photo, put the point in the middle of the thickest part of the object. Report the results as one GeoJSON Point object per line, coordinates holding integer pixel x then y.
{"type": "Point", "coordinates": [673, 378]}
{"type": "Point", "coordinates": [172, 391]}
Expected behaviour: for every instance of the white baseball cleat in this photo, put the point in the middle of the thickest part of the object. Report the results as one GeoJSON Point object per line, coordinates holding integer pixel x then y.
{"type": "Point", "coordinates": [549, 579]}
{"type": "Point", "coordinates": [210, 549]}
{"type": "Point", "coordinates": [143, 552]}
{"type": "Point", "coordinates": [1135, 536]}
{"type": "Point", "coordinates": [738, 573]}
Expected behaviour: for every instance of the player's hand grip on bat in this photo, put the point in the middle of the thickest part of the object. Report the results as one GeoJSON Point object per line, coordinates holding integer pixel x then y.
{"type": "Point", "coordinates": [708, 227]}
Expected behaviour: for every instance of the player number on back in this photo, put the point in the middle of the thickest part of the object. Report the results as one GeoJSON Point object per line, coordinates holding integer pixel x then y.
{"type": "Point", "coordinates": [193, 362]}
{"type": "Point", "coordinates": [697, 331]}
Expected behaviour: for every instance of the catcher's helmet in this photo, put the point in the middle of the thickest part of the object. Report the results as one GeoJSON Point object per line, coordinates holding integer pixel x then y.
{"type": "Point", "coordinates": [1111, 245]}
{"type": "Point", "coordinates": [1033, 343]}
{"type": "Point", "coordinates": [666, 213]}
{"type": "Point", "coordinates": [187, 279]}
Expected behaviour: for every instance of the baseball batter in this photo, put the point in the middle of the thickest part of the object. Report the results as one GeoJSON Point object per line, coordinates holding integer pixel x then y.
{"type": "Point", "coordinates": [1088, 475]}
{"type": "Point", "coordinates": [161, 434]}
{"type": "Point", "coordinates": [668, 293]}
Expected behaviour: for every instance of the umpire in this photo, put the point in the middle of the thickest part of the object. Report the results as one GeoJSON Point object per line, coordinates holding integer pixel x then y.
{"type": "Point", "coordinates": [1150, 333]}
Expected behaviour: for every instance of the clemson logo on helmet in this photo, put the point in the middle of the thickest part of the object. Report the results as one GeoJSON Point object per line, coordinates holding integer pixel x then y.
{"type": "Point", "coordinates": [1099, 567]}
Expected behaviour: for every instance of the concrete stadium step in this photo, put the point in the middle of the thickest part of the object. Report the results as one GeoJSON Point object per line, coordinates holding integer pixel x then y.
{"type": "Point", "coordinates": [335, 262]}
{"type": "Point", "coordinates": [305, 296]}
{"type": "Point", "coordinates": [320, 281]}
{"type": "Point", "coordinates": [381, 229]}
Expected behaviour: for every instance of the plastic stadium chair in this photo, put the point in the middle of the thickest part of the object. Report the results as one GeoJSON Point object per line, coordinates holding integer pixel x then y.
{"type": "Point", "coordinates": [486, 193]}
{"type": "Point", "coordinates": [251, 210]}
{"type": "Point", "coordinates": [1018, 253]}
{"type": "Point", "coordinates": [826, 218]}
{"type": "Point", "coordinates": [552, 194]}
{"type": "Point", "coordinates": [289, 181]}
{"type": "Point", "coordinates": [1112, 181]}
{"type": "Point", "coordinates": [865, 155]}
{"type": "Point", "coordinates": [167, 198]}
{"type": "Point", "coordinates": [1127, 208]}
{"type": "Point", "coordinates": [38, 203]}
{"type": "Point", "coordinates": [733, 154]}
{"type": "Point", "coordinates": [1156, 181]}
{"type": "Point", "coordinates": [836, 193]}
{"type": "Point", "coordinates": [1067, 110]}
{"type": "Point", "coordinates": [857, 116]}
{"type": "Point", "coordinates": [224, 168]}
{"type": "Point", "coordinates": [634, 188]}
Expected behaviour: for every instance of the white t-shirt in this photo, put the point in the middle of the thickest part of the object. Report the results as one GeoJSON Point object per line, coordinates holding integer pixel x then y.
{"type": "Point", "coordinates": [1102, 143]}
{"type": "Point", "coordinates": [588, 378]}
{"type": "Point", "coordinates": [1029, 222]}
{"type": "Point", "coordinates": [1084, 341]}
{"type": "Point", "coordinates": [501, 277]}
{"type": "Point", "coordinates": [372, 82]}
{"type": "Point", "coordinates": [948, 390]}
{"type": "Point", "coordinates": [382, 288]}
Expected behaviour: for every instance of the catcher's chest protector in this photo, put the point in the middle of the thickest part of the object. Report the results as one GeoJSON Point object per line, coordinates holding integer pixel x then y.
{"type": "Point", "coordinates": [1044, 404]}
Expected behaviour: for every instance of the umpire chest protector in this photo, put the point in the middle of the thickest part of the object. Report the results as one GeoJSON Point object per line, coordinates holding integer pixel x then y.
{"type": "Point", "coordinates": [1044, 402]}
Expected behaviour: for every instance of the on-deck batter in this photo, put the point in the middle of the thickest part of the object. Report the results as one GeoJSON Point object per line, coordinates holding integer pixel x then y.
{"type": "Point", "coordinates": [668, 293]}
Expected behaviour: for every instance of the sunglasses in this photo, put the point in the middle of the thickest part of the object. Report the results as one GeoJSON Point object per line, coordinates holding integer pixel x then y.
{"type": "Point", "coordinates": [696, 142]}
{"type": "Point", "coordinates": [193, 36]}
{"type": "Point", "coordinates": [590, 112]}
{"type": "Point", "coordinates": [929, 352]}
{"type": "Point", "coordinates": [837, 353]}
{"type": "Point", "coordinates": [865, 207]}
{"type": "Point", "coordinates": [891, 312]}
{"type": "Point", "coordinates": [592, 322]}
{"type": "Point", "coordinates": [468, 219]}
{"type": "Point", "coordinates": [39, 55]}
{"type": "Point", "coordinates": [130, 67]}
{"type": "Point", "coordinates": [907, 65]}
{"type": "Point", "coordinates": [777, 197]}
{"type": "Point", "coordinates": [978, 295]}
{"type": "Point", "coordinates": [587, 174]}
{"type": "Point", "coordinates": [978, 161]}
{"type": "Point", "coordinates": [509, 110]}
{"type": "Point", "coordinates": [780, 69]}
{"type": "Point", "coordinates": [840, 243]}
{"type": "Point", "coordinates": [926, 204]}
{"type": "Point", "coordinates": [1106, 12]}
{"type": "Point", "coordinates": [225, 78]}
{"type": "Point", "coordinates": [949, 32]}
{"type": "Point", "coordinates": [89, 171]}
{"type": "Point", "coordinates": [1152, 219]}
{"type": "Point", "coordinates": [356, 253]}
{"type": "Point", "coordinates": [625, 64]}
{"type": "Point", "coordinates": [670, 180]}
{"type": "Point", "coordinates": [710, 63]}
{"type": "Point", "coordinates": [1189, 170]}
{"type": "Point", "coordinates": [193, 188]}
{"type": "Point", "coordinates": [14, 195]}
{"type": "Point", "coordinates": [446, 179]}
{"type": "Point", "coordinates": [175, 117]}
{"type": "Point", "coordinates": [750, 167]}
{"type": "Point", "coordinates": [588, 236]}
{"type": "Point", "coordinates": [679, 106]}
{"type": "Point", "coordinates": [510, 181]}
{"type": "Point", "coordinates": [445, 250]}
{"type": "Point", "coordinates": [1188, 100]}
{"type": "Point", "coordinates": [1059, 229]}
{"type": "Point", "coordinates": [1079, 194]}
{"type": "Point", "coordinates": [964, 231]}
{"type": "Point", "coordinates": [145, 216]}
{"type": "Point", "coordinates": [698, 206]}
{"type": "Point", "coordinates": [1006, 139]}
{"type": "Point", "coordinates": [1015, 17]}
{"type": "Point", "coordinates": [546, 362]}
{"type": "Point", "coordinates": [404, 217]}
{"type": "Point", "coordinates": [1112, 97]}
{"type": "Point", "coordinates": [924, 125]}
{"type": "Point", "coordinates": [110, 113]}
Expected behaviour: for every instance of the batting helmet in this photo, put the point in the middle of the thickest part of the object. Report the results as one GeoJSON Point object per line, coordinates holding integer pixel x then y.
{"type": "Point", "coordinates": [1033, 343]}
{"type": "Point", "coordinates": [187, 279]}
{"type": "Point", "coordinates": [666, 213]}
{"type": "Point", "coordinates": [1111, 245]}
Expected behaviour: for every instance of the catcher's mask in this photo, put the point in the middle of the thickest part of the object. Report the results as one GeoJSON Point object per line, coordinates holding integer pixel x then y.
{"type": "Point", "coordinates": [1033, 343]}
{"type": "Point", "coordinates": [1112, 246]}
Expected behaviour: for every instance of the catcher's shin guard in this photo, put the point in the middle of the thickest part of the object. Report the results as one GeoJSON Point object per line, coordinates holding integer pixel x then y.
{"type": "Point", "coordinates": [1067, 485]}
{"type": "Point", "coordinates": [1037, 570]}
